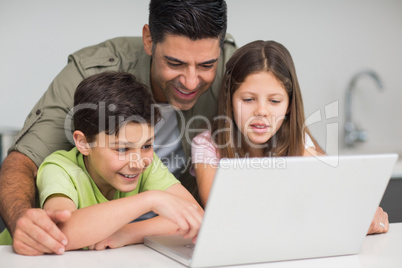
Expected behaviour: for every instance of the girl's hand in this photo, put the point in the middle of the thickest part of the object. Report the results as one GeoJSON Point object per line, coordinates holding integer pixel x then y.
{"type": "Point", "coordinates": [187, 215]}
{"type": "Point", "coordinates": [380, 223]}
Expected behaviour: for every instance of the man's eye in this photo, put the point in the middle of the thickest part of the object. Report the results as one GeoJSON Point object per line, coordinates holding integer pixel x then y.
{"type": "Point", "coordinates": [173, 64]}
{"type": "Point", "coordinates": [207, 66]}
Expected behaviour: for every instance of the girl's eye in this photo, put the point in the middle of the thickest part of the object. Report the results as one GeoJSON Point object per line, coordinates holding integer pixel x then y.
{"type": "Point", "coordinates": [275, 101]}
{"type": "Point", "coordinates": [122, 150]}
{"type": "Point", "coordinates": [248, 100]}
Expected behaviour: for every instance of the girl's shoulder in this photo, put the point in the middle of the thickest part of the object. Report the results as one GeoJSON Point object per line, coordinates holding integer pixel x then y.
{"type": "Point", "coordinates": [204, 138]}
{"type": "Point", "coordinates": [308, 142]}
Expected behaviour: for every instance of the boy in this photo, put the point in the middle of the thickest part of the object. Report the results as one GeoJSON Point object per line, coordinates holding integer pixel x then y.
{"type": "Point", "coordinates": [114, 160]}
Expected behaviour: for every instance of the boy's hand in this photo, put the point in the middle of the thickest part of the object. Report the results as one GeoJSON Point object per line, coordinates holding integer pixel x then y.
{"type": "Point", "coordinates": [116, 240]}
{"type": "Point", "coordinates": [36, 232]}
{"type": "Point", "coordinates": [186, 215]}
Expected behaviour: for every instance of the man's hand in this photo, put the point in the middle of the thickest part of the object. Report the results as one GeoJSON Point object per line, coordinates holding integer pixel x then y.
{"type": "Point", "coordinates": [380, 223]}
{"type": "Point", "coordinates": [36, 232]}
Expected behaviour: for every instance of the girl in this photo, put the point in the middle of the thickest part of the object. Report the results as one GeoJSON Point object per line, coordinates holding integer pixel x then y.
{"type": "Point", "coordinates": [261, 113]}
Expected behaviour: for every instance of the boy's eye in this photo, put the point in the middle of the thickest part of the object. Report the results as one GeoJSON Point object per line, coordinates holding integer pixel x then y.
{"type": "Point", "coordinates": [122, 150]}
{"type": "Point", "coordinates": [147, 146]}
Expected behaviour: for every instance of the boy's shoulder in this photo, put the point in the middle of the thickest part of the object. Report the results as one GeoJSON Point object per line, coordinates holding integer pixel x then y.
{"type": "Point", "coordinates": [63, 158]}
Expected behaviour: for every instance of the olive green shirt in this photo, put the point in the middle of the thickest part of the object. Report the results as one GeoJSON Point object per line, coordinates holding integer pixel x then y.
{"type": "Point", "coordinates": [44, 129]}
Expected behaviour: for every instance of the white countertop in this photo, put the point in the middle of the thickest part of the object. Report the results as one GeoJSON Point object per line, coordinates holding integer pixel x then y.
{"type": "Point", "coordinates": [382, 250]}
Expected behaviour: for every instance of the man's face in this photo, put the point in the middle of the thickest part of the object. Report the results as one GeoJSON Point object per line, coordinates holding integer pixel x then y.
{"type": "Point", "coordinates": [183, 69]}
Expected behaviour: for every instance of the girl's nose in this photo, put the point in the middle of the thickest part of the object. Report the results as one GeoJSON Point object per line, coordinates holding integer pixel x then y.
{"type": "Point", "coordinates": [261, 110]}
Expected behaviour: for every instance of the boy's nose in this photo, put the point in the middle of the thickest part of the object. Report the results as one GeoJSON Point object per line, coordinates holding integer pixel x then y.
{"type": "Point", "coordinates": [136, 161]}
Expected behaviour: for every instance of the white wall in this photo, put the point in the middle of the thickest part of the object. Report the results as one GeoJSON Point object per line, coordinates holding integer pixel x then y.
{"type": "Point", "coordinates": [330, 41]}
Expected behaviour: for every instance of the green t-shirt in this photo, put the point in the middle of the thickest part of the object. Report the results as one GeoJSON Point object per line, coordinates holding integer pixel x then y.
{"type": "Point", "coordinates": [64, 172]}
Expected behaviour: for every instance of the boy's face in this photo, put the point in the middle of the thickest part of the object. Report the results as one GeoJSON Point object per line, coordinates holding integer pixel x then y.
{"type": "Point", "coordinates": [115, 162]}
{"type": "Point", "coordinates": [183, 69]}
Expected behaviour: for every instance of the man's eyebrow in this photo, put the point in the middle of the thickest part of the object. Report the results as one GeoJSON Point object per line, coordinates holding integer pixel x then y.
{"type": "Point", "coordinates": [182, 62]}
{"type": "Point", "coordinates": [174, 59]}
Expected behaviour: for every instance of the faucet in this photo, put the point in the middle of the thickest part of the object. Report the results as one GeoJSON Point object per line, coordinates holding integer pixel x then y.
{"type": "Point", "coordinates": [353, 133]}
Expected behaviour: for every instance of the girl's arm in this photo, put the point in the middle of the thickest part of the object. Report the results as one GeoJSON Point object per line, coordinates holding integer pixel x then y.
{"type": "Point", "coordinates": [89, 225]}
{"type": "Point", "coordinates": [310, 151]}
{"type": "Point", "coordinates": [205, 174]}
{"type": "Point", "coordinates": [205, 160]}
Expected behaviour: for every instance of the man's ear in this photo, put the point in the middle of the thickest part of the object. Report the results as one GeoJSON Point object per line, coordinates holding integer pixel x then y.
{"type": "Point", "coordinates": [147, 39]}
{"type": "Point", "coordinates": [81, 142]}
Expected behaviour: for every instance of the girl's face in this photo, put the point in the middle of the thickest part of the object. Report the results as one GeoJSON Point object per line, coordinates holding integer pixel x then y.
{"type": "Point", "coordinates": [116, 162]}
{"type": "Point", "coordinates": [259, 106]}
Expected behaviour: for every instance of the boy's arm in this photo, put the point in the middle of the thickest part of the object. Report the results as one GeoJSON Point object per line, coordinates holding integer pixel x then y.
{"type": "Point", "coordinates": [89, 225]}
{"type": "Point", "coordinates": [135, 232]}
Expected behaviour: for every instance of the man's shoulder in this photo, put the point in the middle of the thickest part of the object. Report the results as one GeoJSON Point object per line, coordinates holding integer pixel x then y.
{"type": "Point", "coordinates": [117, 54]}
{"type": "Point", "coordinates": [117, 45]}
{"type": "Point", "coordinates": [229, 46]}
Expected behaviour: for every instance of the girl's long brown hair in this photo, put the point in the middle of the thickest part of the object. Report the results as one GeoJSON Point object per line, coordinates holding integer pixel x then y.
{"type": "Point", "coordinates": [260, 56]}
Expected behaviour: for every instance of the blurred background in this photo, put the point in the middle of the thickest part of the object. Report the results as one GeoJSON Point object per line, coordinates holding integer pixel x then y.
{"type": "Point", "coordinates": [331, 42]}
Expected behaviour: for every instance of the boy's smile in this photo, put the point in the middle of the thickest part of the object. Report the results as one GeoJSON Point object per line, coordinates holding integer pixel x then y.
{"type": "Point", "coordinates": [116, 162]}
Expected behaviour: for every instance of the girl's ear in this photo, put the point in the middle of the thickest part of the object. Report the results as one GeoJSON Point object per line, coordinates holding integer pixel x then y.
{"type": "Point", "coordinates": [81, 142]}
{"type": "Point", "coordinates": [147, 39]}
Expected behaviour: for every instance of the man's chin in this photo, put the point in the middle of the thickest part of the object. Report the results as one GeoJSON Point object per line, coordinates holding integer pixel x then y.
{"type": "Point", "coordinates": [183, 106]}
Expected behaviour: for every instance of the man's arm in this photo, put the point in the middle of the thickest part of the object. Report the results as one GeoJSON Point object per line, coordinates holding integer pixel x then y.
{"type": "Point", "coordinates": [34, 231]}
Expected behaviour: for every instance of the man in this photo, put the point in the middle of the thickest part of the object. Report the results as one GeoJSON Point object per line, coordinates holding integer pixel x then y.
{"type": "Point", "coordinates": [180, 57]}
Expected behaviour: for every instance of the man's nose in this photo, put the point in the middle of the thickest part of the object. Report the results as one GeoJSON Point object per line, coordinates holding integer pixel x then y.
{"type": "Point", "coordinates": [190, 79]}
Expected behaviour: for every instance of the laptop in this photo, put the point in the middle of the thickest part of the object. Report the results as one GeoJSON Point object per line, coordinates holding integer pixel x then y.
{"type": "Point", "coordinates": [275, 209]}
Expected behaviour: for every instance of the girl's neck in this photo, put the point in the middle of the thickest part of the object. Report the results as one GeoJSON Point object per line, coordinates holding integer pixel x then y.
{"type": "Point", "coordinates": [255, 152]}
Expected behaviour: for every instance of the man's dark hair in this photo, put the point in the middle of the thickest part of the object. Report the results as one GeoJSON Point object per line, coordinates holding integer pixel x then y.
{"type": "Point", "coordinates": [195, 19]}
{"type": "Point", "coordinates": [108, 100]}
